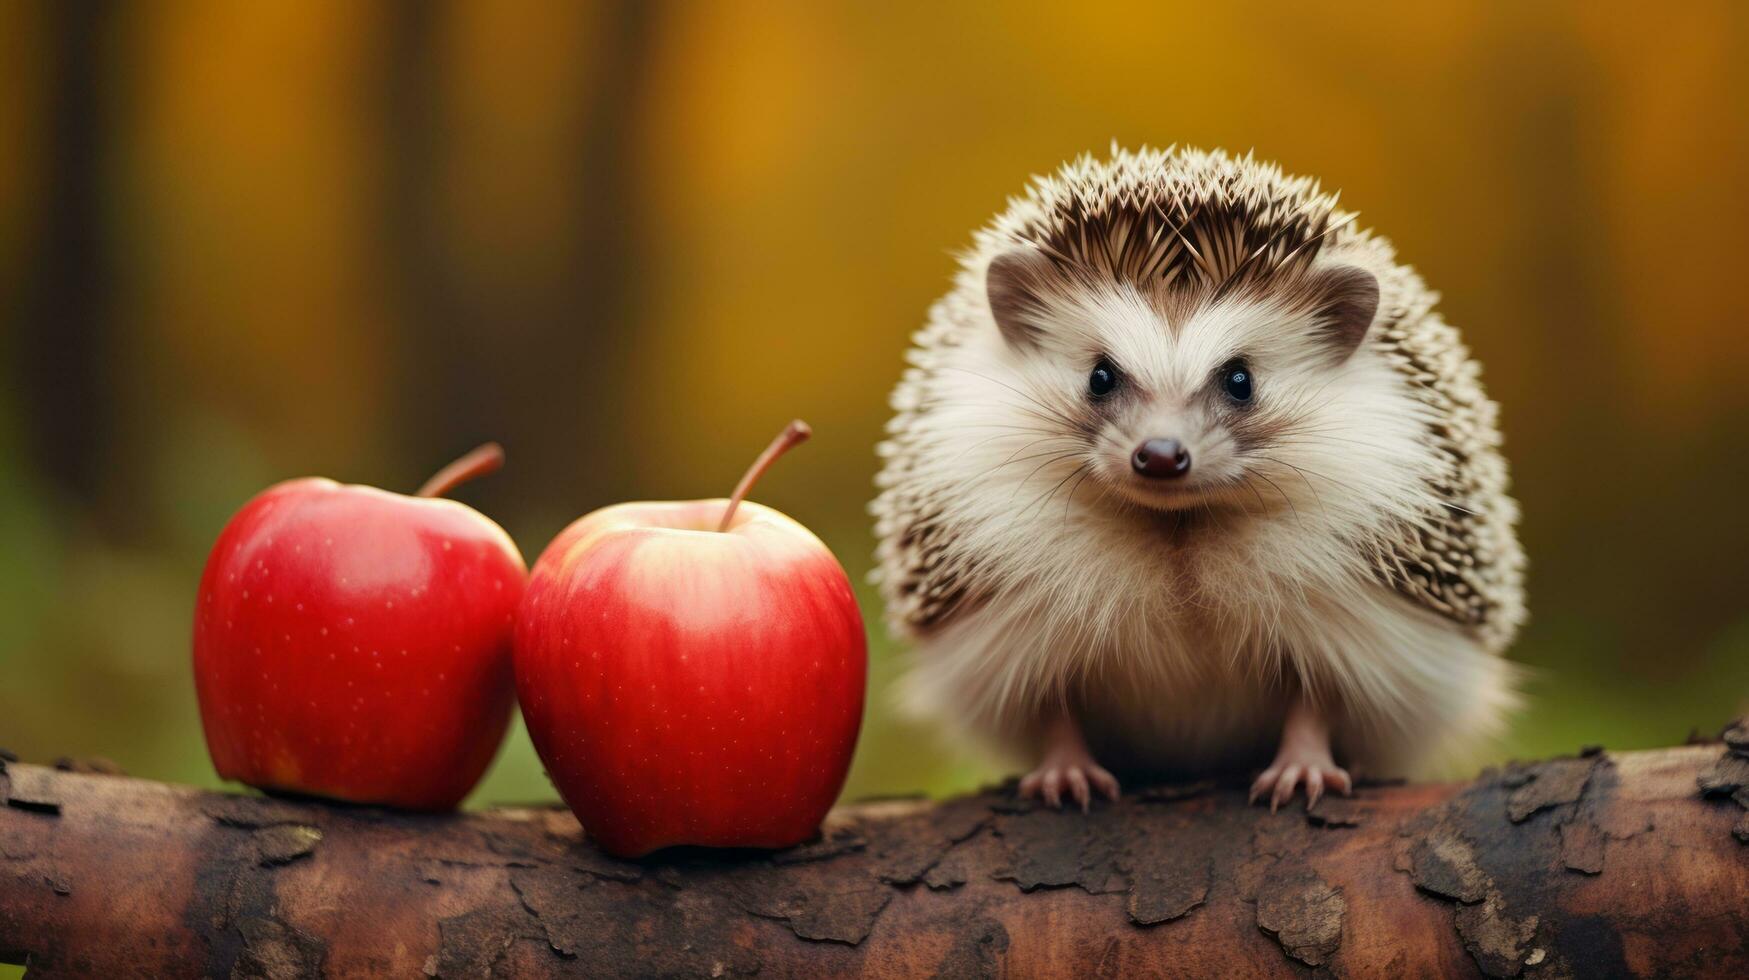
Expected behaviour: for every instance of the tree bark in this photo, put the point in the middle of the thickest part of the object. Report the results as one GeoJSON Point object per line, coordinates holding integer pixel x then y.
{"type": "Point", "coordinates": [1596, 865]}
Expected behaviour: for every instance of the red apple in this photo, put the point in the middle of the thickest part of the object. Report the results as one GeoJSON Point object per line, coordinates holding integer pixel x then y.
{"type": "Point", "coordinates": [355, 643]}
{"type": "Point", "coordinates": [693, 672]}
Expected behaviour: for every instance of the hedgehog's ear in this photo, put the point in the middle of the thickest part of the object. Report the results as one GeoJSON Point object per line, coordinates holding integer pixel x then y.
{"type": "Point", "coordinates": [1347, 299]}
{"type": "Point", "coordinates": [1015, 285]}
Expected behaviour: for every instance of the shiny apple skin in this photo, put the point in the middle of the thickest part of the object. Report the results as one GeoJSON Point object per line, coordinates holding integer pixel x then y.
{"type": "Point", "coordinates": [356, 644]}
{"type": "Point", "coordinates": [689, 686]}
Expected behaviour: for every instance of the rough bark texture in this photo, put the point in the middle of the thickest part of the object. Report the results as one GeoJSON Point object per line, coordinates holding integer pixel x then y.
{"type": "Point", "coordinates": [1595, 866]}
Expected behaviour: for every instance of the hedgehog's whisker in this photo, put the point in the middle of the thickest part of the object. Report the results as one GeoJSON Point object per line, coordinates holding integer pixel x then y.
{"type": "Point", "coordinates": [1014, 428]}
{"type": "Point", "coordinates": [1032, 409]}
{"type": "Point", "coordinates": [1308, 469]}
{"type": "Point", "coordinates": [1289, 500]}
{"type": "Point", "coordinates": [1070, 502]}
{"type": "Point", "coordinates": [1037, 455]}
{"type": "Point", "coordinates": [1322, 476]}
{"type": "Point", "coordinates": [1056, 421]}
{"type": "Point", "coordinates": [1315, 494]}
{"type": "Point", "coordinates": [1262, 508]}
{"type": "Point", "coordinates": [1314, 437]}
{"type": "Point", "coordinates": [985, 442]}
{"type": "Point", "coordinates": [1029, 445]}
{"type": "Point", "coordinates": [1028, 396]}
{"type": "Point", "coordinates": [1052, 492]}
{"type": "Point", "coordinates": [1036, 469]}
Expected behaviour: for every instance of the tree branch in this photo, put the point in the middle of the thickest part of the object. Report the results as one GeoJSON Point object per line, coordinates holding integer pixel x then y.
{"type": "Point", "coordinates": [1600, 865]}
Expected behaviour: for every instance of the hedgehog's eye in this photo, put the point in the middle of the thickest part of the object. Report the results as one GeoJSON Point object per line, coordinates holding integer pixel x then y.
{"type": "Point", "coordinates": [1103, 380]}
{"type": "Point", "coordinates": [1236, 380]}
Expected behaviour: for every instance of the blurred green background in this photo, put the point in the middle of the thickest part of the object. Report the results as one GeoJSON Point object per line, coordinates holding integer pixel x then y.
{"type": "Point", "coordinates": [245, 242]}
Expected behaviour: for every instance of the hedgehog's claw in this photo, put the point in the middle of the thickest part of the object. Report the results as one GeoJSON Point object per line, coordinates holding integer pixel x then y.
{"type": "Point", "coordinates": [1048, 783]}
{"type": "Point", "coordinates": [1304, 755]}
{"type": "Point", "coordinates": [1071, 769]}
{"type": "Point", "coordinates": [1283, 777]}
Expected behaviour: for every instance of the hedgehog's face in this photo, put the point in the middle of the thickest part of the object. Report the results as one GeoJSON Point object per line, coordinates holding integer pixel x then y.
{"type": "Point", "coordinates": [1196, 405]}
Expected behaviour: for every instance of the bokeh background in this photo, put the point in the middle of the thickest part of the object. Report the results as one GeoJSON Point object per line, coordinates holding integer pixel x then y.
{"type": "Point", "coordinates": [241, 242]}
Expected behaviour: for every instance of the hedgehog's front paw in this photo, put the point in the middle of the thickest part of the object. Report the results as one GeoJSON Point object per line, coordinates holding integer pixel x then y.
{"type": "Point", "coordinates": [1293, 764]}
{"type": "Point", "coordinates": [1070, 767]}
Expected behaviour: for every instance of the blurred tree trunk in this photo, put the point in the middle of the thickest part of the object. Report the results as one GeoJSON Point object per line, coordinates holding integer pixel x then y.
{"type": "Point", "coordinates": [1590, 866]}
{"type": "Point", "coordinates": [536, 357]}
{"type": "Point", "coordinates": [64, 350]}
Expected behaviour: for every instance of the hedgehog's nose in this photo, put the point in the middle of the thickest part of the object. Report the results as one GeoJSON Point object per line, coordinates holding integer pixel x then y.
{"type": "Point", "coordinates": [1161, 459]}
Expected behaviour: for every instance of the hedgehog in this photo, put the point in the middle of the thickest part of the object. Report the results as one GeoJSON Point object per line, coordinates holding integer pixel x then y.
{"type": "Point", "coordinates": [1186, 476]}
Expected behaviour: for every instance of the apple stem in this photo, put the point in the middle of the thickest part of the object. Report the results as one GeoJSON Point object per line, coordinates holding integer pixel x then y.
{"type": "Point", "coordinates": [478, 462]}
{"type": "Point", "coordinates": [793, 435]}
